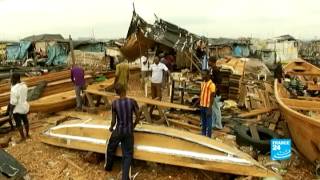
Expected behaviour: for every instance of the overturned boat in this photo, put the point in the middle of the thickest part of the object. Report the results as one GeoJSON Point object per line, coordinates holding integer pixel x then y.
{"type": "Point", "coordinates": [155, 143]}
{"type": "Point", "coordinates": [304, 129]}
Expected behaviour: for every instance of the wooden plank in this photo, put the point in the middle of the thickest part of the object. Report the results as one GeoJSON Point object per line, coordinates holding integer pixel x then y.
{"type": "Point", "coordinates": [255, 112]}
{"type": "Point", "coordinates": [261, 96]}
{"type": "Point", "coordinates": [267, 99]}
{"type": "Point", "coordinates": [272, 126]}
{"type": "Point", "coordinates": [146, 113]}
{"type": "Point", "coordinates": [90, 100]}
{"type": "Point", "coordinates": [191, 120]}
{"type": "Point", "coordinates": [3, 119]}
{"type": "Point", "coordinates": [276, 117]}
{"type": "Point", "coordinates": [304, 108]}
{"type": "Point", "coordinates": [300, 103]}
{"type": "Point", "coordinates": [184, 125]}
{"type": "Point", "coordinates": [106, 102]}
{"type": "Point", "coordinates": [254, 132]}
{"type": "Point", "coordinates": [309, 98]}
{"type": "Point", "coordinates": [144, 100]}
{"type": "Point", "coordinates": [163, 115]}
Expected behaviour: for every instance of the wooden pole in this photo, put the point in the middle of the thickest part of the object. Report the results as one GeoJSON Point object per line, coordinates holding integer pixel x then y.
{"type": "Point", "coordinates": [71, 51]}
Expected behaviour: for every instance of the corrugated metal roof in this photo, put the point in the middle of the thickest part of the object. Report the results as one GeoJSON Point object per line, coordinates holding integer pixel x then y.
{"type": "Point", "coordinates": [43, 37]}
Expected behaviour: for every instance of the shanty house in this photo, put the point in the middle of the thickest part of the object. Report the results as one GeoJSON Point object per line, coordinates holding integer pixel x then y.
{"type": "Point", "coordinates": [222, 47]}
{"type": "Point", "coordinates": [41, 42]}
{"type": "Point", "coordinates": [161, 37]}
{"type": "Point", "coordinates": [18, 51]}
{"type": "Point", "coordinates": [89, 53]}
{"type": "Point", "coordinates": [285, 47]}
{"type": "Point", "coordinates": [51, 48]}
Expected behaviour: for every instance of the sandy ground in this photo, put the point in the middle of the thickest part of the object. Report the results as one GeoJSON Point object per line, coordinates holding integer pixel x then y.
{"type": "Point", "coordinates": [49, 162]}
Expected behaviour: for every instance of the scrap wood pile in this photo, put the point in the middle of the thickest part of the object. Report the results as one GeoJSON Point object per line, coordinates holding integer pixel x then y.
{"type": "Point", "coordinates": [231, 74]}
{"type": "Point", "coordinates": [56, 82]}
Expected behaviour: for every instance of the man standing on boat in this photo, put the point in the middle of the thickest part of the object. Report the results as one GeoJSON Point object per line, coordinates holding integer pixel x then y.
{"type": "Point", "coordinates": [77, 77]}
{"type": "Point", "coordinates": [122, 72]}
{"type": "Point", "coordinates": [122, 115]}
{"type": "Point", "coordinates": [207, 93]}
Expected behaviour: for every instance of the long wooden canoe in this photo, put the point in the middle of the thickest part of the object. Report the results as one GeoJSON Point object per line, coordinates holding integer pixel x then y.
{"type": "Point", "coordinates": [156, 143]}
{"type": "Point", "coordinates": [303, 129]}
{"type": "Point", "coordinates": [64, 100]}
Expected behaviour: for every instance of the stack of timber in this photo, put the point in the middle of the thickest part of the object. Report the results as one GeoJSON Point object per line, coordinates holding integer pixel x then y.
{"type": "Point", "coordinates": [225, 74]}
{"type": "Point", "coordinates": [156, 143]}
{"type": "Point", "coordinates": [64, 100]}
{"type": "Point", "coordinates": [232, 70]}
{"type": "Point", "coordinates": [234, 86]}
{"type": "Point", "coordinates": [33, 81]}
{"type": "Point", "coordinates": [51, 88]}
{"type": "Point", "coordinates": [57, 82]}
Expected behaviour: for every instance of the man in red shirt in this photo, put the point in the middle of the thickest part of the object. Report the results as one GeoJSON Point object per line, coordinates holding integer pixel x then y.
{"type": "Point", "coordinates": [208, 90]}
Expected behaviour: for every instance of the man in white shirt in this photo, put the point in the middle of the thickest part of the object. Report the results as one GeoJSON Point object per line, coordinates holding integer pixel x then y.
{"type": "Point", "coordinates": [157, 69]}
{"type": "Point", "coordinates": [18, 99]}
{"type": "Point", "coordinates": [144, 70]}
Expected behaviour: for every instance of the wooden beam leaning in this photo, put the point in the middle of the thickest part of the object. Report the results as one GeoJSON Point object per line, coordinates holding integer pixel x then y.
{"type": "Point", "coordinates": [144, 100]}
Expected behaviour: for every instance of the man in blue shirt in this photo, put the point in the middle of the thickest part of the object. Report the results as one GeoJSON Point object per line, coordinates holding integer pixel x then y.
{"type": "Point", "coordinates": [122, 115]}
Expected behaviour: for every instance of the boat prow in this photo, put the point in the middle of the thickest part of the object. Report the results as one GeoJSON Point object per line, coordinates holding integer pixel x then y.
{"type": "Point", "coordinates": [303, 129]}
{"type": "Point", "coordinates": [158, 144]}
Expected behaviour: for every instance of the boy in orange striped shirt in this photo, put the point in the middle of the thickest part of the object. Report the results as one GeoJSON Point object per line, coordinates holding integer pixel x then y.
{"type": "Point", "coordinates": [208, 90]}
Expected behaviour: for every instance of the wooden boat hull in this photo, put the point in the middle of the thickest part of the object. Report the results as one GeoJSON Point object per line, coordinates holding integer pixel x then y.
{"type": "Point", "coordinates": [158, 144]}
{"type": "Point", "coordinates": [303, 129]}
{"type": "Point", "coordinates": [64, 100]}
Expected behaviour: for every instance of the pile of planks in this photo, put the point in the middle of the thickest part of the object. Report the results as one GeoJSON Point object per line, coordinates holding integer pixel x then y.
{"type": "Point", "coordinates": [57, 82]}
{"type": "Point", "coordinates": [231, 70]}
{"type": "Point", "coordinates": [33, 81]}
{"type": "Point", "coordinates": [186, 122]}
{"type": "Point", "coordinates": [234, 86]}
{"type": "Point", "coordinates": [257, 95]}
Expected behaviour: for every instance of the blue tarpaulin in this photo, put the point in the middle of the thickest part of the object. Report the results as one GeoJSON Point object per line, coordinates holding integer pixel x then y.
{"type": "Point", "coordinates": [18, 51]}
{"type": "Point", "coordinates": [57, 55]}
{"type": "Point", "coordinates": [241, 51]}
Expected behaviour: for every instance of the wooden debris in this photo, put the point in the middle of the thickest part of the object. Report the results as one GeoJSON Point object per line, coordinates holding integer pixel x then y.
{"type": "Point", "coordinates": [255, 112]}
{"type": "Point", "coordinates": [184, 125]}
{"type": "Point", "coordinates": [254, 132]}
{"type": "Point", "coordinates": [73, 164]}
{"type": "Point", "coordinates": [272, 126]}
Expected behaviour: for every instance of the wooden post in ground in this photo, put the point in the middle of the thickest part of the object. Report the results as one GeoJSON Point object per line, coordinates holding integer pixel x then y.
{"type": "Point", "coordinates": [71, 50]}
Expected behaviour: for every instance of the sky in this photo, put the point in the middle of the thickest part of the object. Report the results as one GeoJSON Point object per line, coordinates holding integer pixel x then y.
{"type": "Point", "coordinates": [110, 19]}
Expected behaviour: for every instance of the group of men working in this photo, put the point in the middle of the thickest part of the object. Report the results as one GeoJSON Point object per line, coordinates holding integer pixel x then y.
{"type": "Point", "coordinates": [124, 107]}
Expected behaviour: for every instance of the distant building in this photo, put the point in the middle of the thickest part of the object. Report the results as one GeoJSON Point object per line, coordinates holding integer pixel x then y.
{"type": "Point", "coordinates": [221, 47]}
{"type": "Point", "coordinates": [285, 47]}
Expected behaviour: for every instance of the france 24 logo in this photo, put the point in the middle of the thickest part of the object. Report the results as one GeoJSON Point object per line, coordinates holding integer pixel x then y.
{"type": "Point", "coordinates": [280, 149]}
